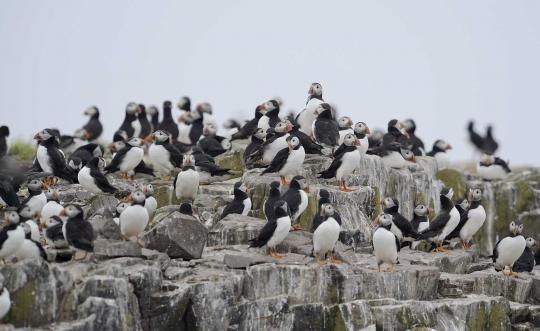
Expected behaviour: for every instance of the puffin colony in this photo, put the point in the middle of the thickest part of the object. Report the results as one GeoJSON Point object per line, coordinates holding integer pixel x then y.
{"type": "Point", "coordinates": [182, 153]}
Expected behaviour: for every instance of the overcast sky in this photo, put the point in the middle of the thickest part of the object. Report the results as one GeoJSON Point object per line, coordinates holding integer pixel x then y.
{"type": "Point", "coordinates": [439, 62]}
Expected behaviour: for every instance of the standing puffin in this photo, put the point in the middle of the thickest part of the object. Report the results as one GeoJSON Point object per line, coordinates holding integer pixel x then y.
{"type": "Point", "coordinates": [4, 133]}
{"type": "Point", "coordinates": [150, 203]}
{"type": "Point", "coordinates": [83, 154]}
{"type": "Point", "coordinates": [93, 128]}
{"type": "Point", "coordinates": [78, 232]}
{"type": "Point", "coordinates": [396, 137]}
{"type": "Point", "coordinates": [52, 207]}
{"type": "Point", "coordinates": [508, 250]}
{"type": "Point", "coordinates": [273, 196]}
{"type": "Point", "coordinates": [257, 140]}
{"type": "Point", "coordinates": [398, 160]}
{"type": "Point", "coordinates": [296, 198]}
{"type": "Point", "coordinates": [288, 161]}
{"type": "Point", "coordinates": [276, 140]}
{"type": "Point", "coordinates": [361, 131]}
{"type": "Point", "coordinates": [249, 128]}
{"type": "Point", "coordinates": [420, 221]}
{"type": "Point", "coordinates": [440, 147]}
{"type": "Point", "coordinates": [445, 222]}
{"type": "Point", "coordinates": [146, 127]}
{"type": "Point", "coordinates": [131, 125]}
{"type": "Point", "coordinates": [401, 227]}
{"type": "Point", "coordinates": [167, 122]}
{"type": "Point", "coordinates": [31, 219]}
{"type": "Point", "coordinates": [526, 261]}
{"type": "Point", "coordinates": [275, 230]}
{"type": "Point", "coordinates": [326, 235]}
{"type": "Point", "coordinates": [345, 125]}
{"type": "Point", "coordinates": [346, 159]}
{"type": "Point", "coordinates": [36, 199]}
{"type": "Point", "coordinates": [307, 116]}
{"type": "Point", "coordinates": [206, 166]}
{"type": "Point", "coordinates": [240, 204]}
{"type": "Point", "coordinates": [417, 145]}
{"type": "Point", "coordinates": [186, 183]}
{"type": "Point", "coordinates": [310, 146]}
{"type": "Point", "coordinates": [54, 237]}
{"type": "Point", "coordinates": [385, 243]}
{"type": "Point", "coordinates": [325, 128]}
{"type": "Point", "coordinates": [134, 219]}
{"type": "Point", "coordinates": [192, 125]}
{"type": "Point", "coordinates": [163, 155]}
{"type": "Point", "coordinates": [323, 197]}
{"type": "Point", "coordinates": [11, 235]}
{"type": "Point", "coordinates": [270, 116]}
{"type": "Point", "coordinates": [472, 220]}
{"type": "Point", "coordinates": [49, 156]}
{"type": "Point", "coordinates": [30, 248]}
{"type": "Point", "coordinates": [153, 112]}
{"type": "Point", "coordinates": [211, 143]}
{"type": "Point", "coordinates": [492, 167]}
{"type": "Point", "coordinates": [128, 158]}
{"type": "Point", "coordinates": [94, 180]}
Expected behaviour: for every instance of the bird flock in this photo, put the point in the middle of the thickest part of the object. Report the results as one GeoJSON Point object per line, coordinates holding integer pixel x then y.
{"type": "Point", "coordinates": [183, 151]}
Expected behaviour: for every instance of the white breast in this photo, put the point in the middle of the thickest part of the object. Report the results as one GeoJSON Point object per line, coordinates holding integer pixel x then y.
{"type": "Point", "coordinates": [303, 205]}
{"type": "Point", "coordinates": [442, 160]}
{"type": "Point", "coordinates": [5, 303]}
{"type": "Point", "coordinates": [294, 162]}
{"type": "Point", "coordinates": [384, 246]}
{"type": "Point", "coordinates": [183, 133]}
{"type": "Point", "coordinates": [280, 233]}
{"type": "Point", "coordinates": [28, 250]}
{"type": "Point", "coordinates": [394, 160]}
{"type": "Point", "coordinates": [423, 226]}
{"type": "Point", "coordinates": [136, 125]}
{"type": "Point", "coordinates": [247, 206]}
{"type": "Point", "coordinates": [349, 162]}
{"type": "Point", "coordinates": [450, 225]}
{"type": "Point", "coordinates": [13, 242]}
{"type": "Point", "coordinates": [52, 208]}
{"type": "Point", "coordinates": [509, 250]}
{"type": "Point", "coordinates": [396, 231]}
{"type": "Point", "coordinates": [133, 221]}
{"type": "Point", "coordinates": [307, 116]}
{"type": "Point", "coordinates": [34, 230]}
{"type": "Point", "coordinates": [187, 184]}
{"type": "Point", "coordinates": [264, 123]}
{"type": "Point", "coordinates": [494, 171]}
{"type": "Point", "coordinates": [37, 202]}
{"type": "Point", "coordinates": [325, 236]}
{"type": "Point", "coordinates": [43, 159]}
{"type": "Point", "coordinates": [87, 181]}
{"type": "Point", "coordinates": [476, 218]}
{"type": "Point", "coordinates": [272, 149]}
{"type": "Point", "coordinates": [151, 205]}
{"type": "Point", "coordinates": [160, 158]}
{"type": "Point", "coordinates": [131, 159]}
{"type": "Point", "coordinates": [364, 146]}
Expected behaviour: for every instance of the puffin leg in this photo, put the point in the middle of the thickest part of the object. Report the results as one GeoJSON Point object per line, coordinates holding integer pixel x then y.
{"type": "Point", "coordinates": [344, 187]}
{"type": "Point", "coordinates": [140, 242]}
{"type": "Point", "coordinates": [277, 255]}
{"type": "Point", "coordinates": [283, 180]}
{"type": "Point", "coordinates": [379, 266]}
{"type": "Point", "coordinates": [333, 258]}
{"type": "Point", "coordinates": [514, 274]}
{"type": "Point", "coordinates": [318, 260]}
{"type": "Point", "coordinates": [390, 268]}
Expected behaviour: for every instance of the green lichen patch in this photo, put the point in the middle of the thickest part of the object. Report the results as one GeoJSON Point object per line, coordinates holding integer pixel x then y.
{"type": "Point", "coordinates": [454, 179]}
{"type": "Point", "coordinates": [22, 305]}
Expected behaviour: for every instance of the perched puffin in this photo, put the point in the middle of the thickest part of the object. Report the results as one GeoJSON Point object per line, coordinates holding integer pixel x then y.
{"type": "Point", "coordinates": [396, 137]}
{"type": "Point", "coordinates": [119, 141]}
{"type": "Point", "coordinates": [385, 243]}
{"type": "Point", "coordinates": [184, 104]}
{"type": "Point", "coordinates": [490, 144]}
{"type": "Point", "coordinates": [309, 145]}
{"type": "Point", "coordinates": [249, 128]}
{"type": "Point", "coordinates": [257, 140]}
{"type": "Point", "coordinates": [131, 125]}
{"type": "Point", "coordinates": [275, 141]}
{"type": "Point", "coordinates": [52, 207]}
{"type": "Point", "coordinates": [146, 127]}
{"type": "Point", "coordinates": [134, 219]}
{"type": "Point", "coordinates": [150, 203]}
{"type": "Point", "coordinates": [186, 209]}
{"type": "Point", "coordinates": [526, 261]}
{"type": "Point", "coordinates": [462, 205]}
{"type": "Point", "coordinates": [361, 131]}
{"type": "Point", "coordinates": [153, 112]}
{"type": "Point", "coordinates": [53, 234]}
{"type": "Point", "coordinates": [128, 158]}
{"type": "Point", "coordinates": [192, 125]}
{"type": "Point", "coordinates": [275, 230]}
{"type": "Point", "coordinates": [323, 197]}
{"type": "Point", "coordinates": [472, 220]}
{"type": "Point", "coordinates": [93, 128]}
{"type": "Point", "coordinates": [167, 122]}
{"type": "Point", "coordinates": [49, 156]}
{"type": "Point", "coordinates": [327, 233]}
{"type": "Point", "coordinates": [9, 186]}
{"type": "Point", "coordinates": [120, 207]}
{"type": "Point", "coordinates": [31, 219]}
{"type": "Point", "coordinates": [206, 165]}
{"type": "Point", "coordinates": [186, 183]}
{"type": "Point", "coordinates": [445, 222]}
{"type": "Point", "coordinates": [273, 196]}
{"type": "Point", "coordinates": [211, 143]}
{"type": "Point", "coordinates": [78, 232]}
{"type": "Point", "coordinates": [508, 250]}
{"type": "Point", "coordinates": [420, 221]}
{"type": "Point", "coordinates": [4, 133]}
{"type": "Point", "coordinates": [401, 227]}
{"type": "Point", "coordinates": [11, 235]}
{"type": "Point", "coordinates": [288, 161]}
{"type": "Point", "coordinates": [163, 155]}
{"type": "Point", "coordinates": [440, 147]}
{"type": "Point", "coordinates": [492, 167]}
{"type": "Point", "coordinates": [296, 198]}
{"type": "Point", "coordinates": [375, 141]}
{"type": "Point", "coordinates": [346, 159]}
{"type": "Point", "coordinates": [270, 116]}
{"type": "Point", "coordinates": [240, 204]}
{"type": "Point", "coordinates": [30, 248]}
{"type": "Point", "coordinates": [417, 145]}
{"type": "Point", "coordinates": [5, 302]}
{"type": "Point", "coordinates": [325, 128]}
{"type": "Point", "coordinates": [307, 116]}
{"type": "Point", "coordinates": [94, 180]}
{"type": "Point", "coordinates": [84, 154]}
{"type": "Point", "coordinates": [345, 125]}
{"type": "Point", "coordinates": [476, 139]}
{"type": "Point", "coordinates": [204, 109]}
{"type": "Point", "coordinates": [36, 199]}
{"type": "Point", "coordinates": [398, 160]}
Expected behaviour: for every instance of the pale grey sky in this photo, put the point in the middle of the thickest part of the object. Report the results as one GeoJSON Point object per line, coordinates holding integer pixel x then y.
{"type": "Point", "coordinates": [440, 62]}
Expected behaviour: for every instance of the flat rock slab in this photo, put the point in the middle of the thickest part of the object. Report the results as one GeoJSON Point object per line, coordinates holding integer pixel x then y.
{"type": "Point", "coordinates": [116, 248]}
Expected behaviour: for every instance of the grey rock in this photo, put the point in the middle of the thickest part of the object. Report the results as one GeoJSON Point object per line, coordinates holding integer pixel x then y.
{"type": "Point", "coordinates": [234, 230]}
{"type": "Point", "coordinates": [105, 313]}
{"type": "Point", "coordinates": [115, 248]}
{"type": "Point", "coordinates": [242, 261]}
{"type": "Point", "coordinates": [167, 307]}
{"type": "Point", "coordinates": [105, 227]}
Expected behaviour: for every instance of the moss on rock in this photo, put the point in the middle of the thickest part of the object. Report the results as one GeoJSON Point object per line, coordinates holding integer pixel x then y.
{"type": "Point", "coordinates": [454, 179]}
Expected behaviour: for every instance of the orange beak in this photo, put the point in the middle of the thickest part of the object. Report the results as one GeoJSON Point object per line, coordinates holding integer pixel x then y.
{"type": "Point", "coordinates": [357, 142]}
{"type": "Point", "coordinates": [413, 159]}
{"type": "Point", "coordinates": [307, 190]}
{"type": "Point", "coordinates": [449, 146]}
{"type": "Point", "coordinates": [62, 213]}
{"type": "Point", "coordinates": [130, 198]}
{"type": "Point", "coordinates": [150, 138]}
{"type": "Point", "coordinates": [290, 147]}
{"type": "Point", "coordinates": [37, 136]}
{"type": "Point", "coordinates": [376, 220]}
{"type": "Point", "coordinates": [367, 130]}
{"type": "Point", "coordinates": [469, 196]}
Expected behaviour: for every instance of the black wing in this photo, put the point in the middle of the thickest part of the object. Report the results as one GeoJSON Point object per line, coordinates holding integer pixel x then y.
{"type": "Point", "coordinates": [80, 234]}
{"type": "Point", "coordinates": [141, 168]}
{"type": "Point", "coordinates": [525, 263]}
{"type": "Point", "coordinates": [42, 252]}
{"type": "Point", "coordinates": [398, 245]}
{"type": "Point", "coordinates": [496, 251]}
{"type": "Point", "coordinates": [175, 155]}
{"type": "Point", "coordinates": [212, 168]}
{"type": "Point", "coordinates": [94, 128]}
{"type": "Point", "coordinates": [246, 130]}
{"type": "Point", "coordinates": [278, 162]}
{"type": "Point", "coordinates": [404, 225]}
{"type": "Point", "coordinates": [4, 235]}
{"type": "Point", "coordinates": [211, 146]}
{"type": "Point", "coordinates": [293, 198]}
{"type": "Point", "coordinates": [331, 171]}
{"type": "Point", "coordinates": [326, 132]}
{"type": "Point", "coordinates": [474, 137]}
{"type": "Point", "coordinates": [462, 220]}
{"type": "Point", "coordinates": [309, 146]}
{"type": "Point", "coordinates": [8, 194]}
{"type": "Point", "coordinates": [437, 224]}
{"type": "Point", "coordinates": [117, 159]}
{"type": "Point", "coordinates": [55, 232]}
{"type": "Point", "coordinates": [503, 164]}
{"type": "Point", "coordinates": [234, 207]}
{"type": "Point", "coordinates": [102, 182]}
{"type": "Point", "coordinates": [58, 164]}
{"type": "Point", "coordinates": [266, 233]}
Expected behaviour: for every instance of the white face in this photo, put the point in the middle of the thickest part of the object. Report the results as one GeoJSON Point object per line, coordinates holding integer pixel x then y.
{"type": "Point", "coordinates": [388, 202]}
{"type": "Point", "coordinates": [303, 183]}
{"type": "Point", "coordinates": [138, 196]}
{"type": "Point", "coordinates": [407, 124]}
{"type": "Point", "coordinates": [209, 129]}
{"type": "Point", "coordinates": [135, 142]}
{"type": "Point", "coordinates": [281, 127]}
{"type": "Point", "coordinates": [420, 210]}
{"type": "Point", "coordinates": [327, 209]}
{"type": "Point", "coordinates": [476, 194]}
{"type": "Point", "coordinates": [11, 217]}
{"type": "Point", "coordinates": [161, 136]}
{"type": "Point", "coordinates": [53, 193]}
{"type": "Point", "coordinates": [71, 211]}
{"type": "Point", "coordinates": [315, 89]}
{"type": "Point", "coordinates": [188, 160]}
{"type": "Point", "coordinates": [441, 144]}
{"type": "Point", "coordinates": [52, 222]}
{"type": "Point", "coordinates": [531, 242]}
{"type": "Point", "coordinates": [226, 144]}
{"type": "Point", "coordinates": [102, 164]}
{"type": "Point", "coordinates": [361, 128]}
{"type": "Point", "coordinates": [121, 207]}
{"type": "Point", "coordinates": [91, 111]}
{"type": "Point", "coordinates": [345, 122]}
{"type": "Point", "coordinates": [260, 133]}
{"type": "Point", "coordinates": [43, 135]}
{"type": "Point", "coordinates": [148, 189]}
{"type": "Point", "coordinates": [293, 142]}
{"type": "Point", "coordinates": [516, 228]}
{"type": "Point", "coordinates": [385, 219]}
{"type": "Point", "coordinates": [151, 110]}
{"type": "Point", "coordinates": [205, 107]}
{"type": "Point", "coordinates": [132, 108]}
{"type": "Point", "coordinates": [350, 140]}
{"type": "Point", "coordinates": [269, 106]}
{"type": "Point", "coordinates": [408, 155]}
{"type": "Point", "coordinates": [35, 185]}
{"type": "Point", "coordinates": [182, 102]}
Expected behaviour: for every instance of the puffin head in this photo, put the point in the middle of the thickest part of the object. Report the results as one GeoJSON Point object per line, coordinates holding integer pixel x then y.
{"type": "Point", "coordinates": [475, 194]}
{"type": "Point", "coordinates": [327, 210]}
{"type": "Point", "coordinates": [516, 228]}
{"type": "Point", "coordinates": [442, 145]}
{"type": "Point", "coordinates": [351, 140]}
{"type": "Point", "coordinates": [361, 128]}
{"type": "Point", "coordinates": [345, 122]}
{"type": "Point", "coordinates": [448, 192]}
{"type": "Point", "coordinates": [188, 160]}
{"type": "Point", "coordinates": [408, 154]}
{"type": "Point", "coordinates": [421, 210]}
{"type": "Point", "coordinates": [184, 104]}
{"type": "Point", "coordinates": [11, 216]}
{"type": "Point", "coordinates": [293, 142]}
{"type": "Point", "coordinates": [71, 211]}
{"type": "Point", "coordinates": [389, 202]}
{"type": "Point", "coordinates": [315, 90]}
{"type": "Point", "coordinates": [132, 108]}
{"type": "Point", "coordinates": [152, 110]}
{"type": "Point", "coordinates": [531, 242]}
{"type": "Point", "coordinates": [91, 111]}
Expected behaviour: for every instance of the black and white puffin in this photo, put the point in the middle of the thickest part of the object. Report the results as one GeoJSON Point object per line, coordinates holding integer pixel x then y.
{"type": "Point", "coordinates": [361, 131]}
{"type": "Point", "coordinates": [476, 139]}
{"type": "Point", "coordinates": [164, 155]}
{"type": "Point", "coordinates": [206, 165]}
{"type": "Point", "coordinates": [94, 180]}
{"type": "Point", "coordinates": [146, 127]}
{"type": "Point", "coordinates": [401, 227]}
{"type": "Point", "coordinates": [249, 128]}
{"type": "Point", "coordinates": [346, 159]}
{"type": "Point", "coordinates": [439, 150]}
{"type": "Point", "coordinates": [404, 158]}
{"type": "Point", "coordinates": [4, 133]}
{"type": "Point", "coordinates": [9, 186]}
{"type": "Point", "coordinates": [307, 116]}
{"type": "Point", "coordinates": [326, 234]}
{"type": "Point", "coordinates": [492, 168]}
{"type": "Point", "coordinates": [36, 199]}
{"type": "Point", "coordinates": [345, 125]}
{"type": "Point", "coordinates": [445, 222]}
{"type": "Point", "coordinates": [134, 219]}
{"type": "Point", "coordinates": [257, 140]}
{"type": "Point", "coordinates": [153, 112]}
{"type": "Point", "coordinates": [52, 207]}
{"type": "Point", "coordinates": [54, 237]}
{"type": "Point", "coordinates": [11, 235]}
{"type": "Point", "coordinates": [31, 219]}
{"type": "Point", "coordinates": [210, 142]}
{"type": "Point", "coordinates": [273, 196]}
{"type": "Point", "coordinates": [310, 146]}
{"type": "Point", "coordinates": [325, 128]}
{"type": "Point", "coordinates": [30, 248]}
{"type": "Point", "coordinates": [184, 104]}
{"type": "Point", "coordinates": [84, 154]}
{"type": "Point", "coordinates": [270, 116]}
{"type": "Point", "coordinates": [472, 220]}
{"type": "Point", "coordinates": [186, 184]}
{"type": "Point", "coordinates": [275, 230]}
{"type": "Point", "coordinates": [296, 198]}
{"type": "Point", "coordinates": [288, 161]}
{"type": "Point", "coordinates": [78, 232]}
{"type": "Point", "coordinates": [93, 128]}
{"type": "Point", "coordinates": [276, 140]}
{"type": "Point", "coordinates": [420, 221]}
{"type": "Point", "coordinates": [240, 204]}
{"type": "Point", "coordinates": [323, 197]}
{"type": "Point", "coordinates": [167, 122]}
{"type": "Point", "coordinates": [508, 250]}
{"type": "Point", "coordinates": [526, 261]}
{"type": "Point", "coordinates": [50, 158]}
{"type": "Point", "coordinates": [131, 125]}
{"type": "Point", "coordinates": [416, 144]}
{"type": "Point", "coordinates": [128, 158]}
{"type": "Point", "coordinates": [150, 203]}
{"type": "Point", "coordinates": [385, 243]}
{"type": "Point", "coordinates": [191, 127]}
{"type": "Point", "coordinates": [490, 144]}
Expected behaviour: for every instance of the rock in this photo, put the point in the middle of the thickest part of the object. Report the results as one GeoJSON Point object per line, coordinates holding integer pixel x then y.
{"type": "Point", "coordinates": [458, 262]}
{"type": "Point", "coordinates": [105, 312]}
{"type": "Point", "coordinates": [105, 227]}
{"type": "Point", "coordinates": [167, 307]}
{"type": "Point", "coordinates": [115, 248]}
{"type": "Point", "coordinates": [242, 261]}
{"type": "Point", "coordinates": [235, 229]}
{"type": "Point", "coordinates": [178, 236]}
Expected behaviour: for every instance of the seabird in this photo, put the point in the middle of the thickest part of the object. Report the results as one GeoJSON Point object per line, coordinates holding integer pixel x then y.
{"type": "Point", "coordinates": [54, 235]}
{"type": "Point", "coordinates": [416, 144]}
{"type": "Point", "coordinates": [385, 243]}
{"type": "Point", "coordinates": [326, 235]}
{"type": "Point", "coordinates": [131, 125]}
{"type": "Point", "coordinates": [30, 248]}
{"type": "Point", "coordinates": [276, 140]}
{"type": "Point", "coordinates": [240, 204]}
{"type": "Point", "coordinates": [275, 230]}
{"type": "Point", "coordinates": [296, 198]}
{"type": "Point", "coordinates": [288, 161]}
{"type": "Point", "coordinates": [526, 261]}
{"type": "Point", "coordinates": [307, 116]}
{"type": "Point", "coordinates": [167, 123]}
{"type": "Point", "coordinates": [186, 183]}
{"type": "Point", "coordinates": [361, 131]}
{"type": "Point", "coordinates": [325, 128]}
{"type": "Point", "coordinates": [508, 250]}
{"type": "Point", "coordinates": [270, 116]}
{"type": "Point", "coordinates": [134, 219]}
{"type": "Point", "coordinates": [257, 140]}
{"type": "Point", "coordinates": [211, 143]}
{"type": "Point", "coordinates": [50, 158]}
{"type": "Point", "coordinates": [323, 197]}
{"type": "Point", "coordinates": [249, 128]}
{"type": "Point", "coordinates": [445, 222]}
{"type": "Point", "coordinates": [269, 204]}
{"type": "Point", "coordinates": [345, 125]}
{"type": "Point", "coordinates": [36, 199]}
{"type": "Point", "coordinates": [11, 235]}
{"type": "Point", "coordinates": [83, 154]}
{"type": "Point", "coordinates": [93, 128]}
{"type": "Point", "coordinates": [153, 112]}
{"type": "Point", "coordinates": [472, 220]}
{"type": "Point", "coordinates": [163, 155]}
{"type": "Point", "coordinates": [346, 159]}
{"type": "Point", "coordinates": [146, 127]}
{"type": "Point", "coordinates": [401, 227]}
{"type": "Point", "coordinates": [128, 158]}
{"type": "Point", "coordinates": [150, 203]}
{"type": "Point", "coordinates": [52, 207]}
{"type": "Point", "coordinates": [78, 232]}
{"type": "Point", "coordinates": [440, 147]}
{"type": "Point", "coordinates": [92, 179]}
{"type": "Point", "coordinates": [492, 168]}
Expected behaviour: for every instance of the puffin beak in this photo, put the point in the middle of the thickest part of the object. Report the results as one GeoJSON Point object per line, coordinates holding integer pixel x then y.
{"type": "Point", "coordinates": [44, 186]}
{"type": "Point", "coordinates": [367, 130]}
{"type": "Point", "coordinates": [430, 211]}
{"type": "Point", "coordinates": [376, 221]}
{"type": "Point", "coordinates": [322, 213]}
{"type": "Point", "coordinates": [290, 147]}
{"type": "Point", "coordinates": [405, 133]}
{"type": "Point", "coordinates": [469, 196]}
{"type": "Point", "coordinates": [413, 158]}
{"type": "Point", "coordinates": [356, 142]}
{"type": "Point", "coordinates": [448, 146]}
{"type": "Point", "coordinates": [130, 198]}
{"type": "Point", "coordinates": [307, 189]}
{"type": "Point", "coordinates": [37, 136]}
{"type": "Point", "coordinates": [350, 122]}
{"type": "Point", "coordinates": [181, 119]}
{"type": "Point", "coordinates": [310, 92]}
{"type": "Point", "coordinates": [150, 138]}
{"type": "Point", "coordinates": [86, 135]}
{"type": "Point", "coordinates": [62, 212]}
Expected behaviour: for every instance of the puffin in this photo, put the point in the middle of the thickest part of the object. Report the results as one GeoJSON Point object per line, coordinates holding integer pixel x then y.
{"type": "Point", "coordinates": [131, 125]}
{"type": "Point", "coordinates": [445, 222]}
{"type": "Point", "coordinates": [50, 158]}
{"type": "Point", "coordinates": [257, 140]}
{"type": "Point", "coordinates": [11, 235]}
{"type": "Point", "coordinates": [92, 179]}
{"type": "Point", "coordinates": [472, 220]}
{"type": "Point", "coordinates": [462, 205]}
{"type": "Point", "coordinates": [186, 183]}
{"type": "Point", "coordinates": [508, 250]}
{"type": "Point", "coordinates": [31, 219]}
{"type": "Point", "coordinates": [526, 261]}
{"type": "Point", "coordinates": [326, 235]}
{"type": "Point", "coordinates": [420, 221]}
{"type": "Point", "coordinates": [68, 144]}
{"type": "Point", "coordinates": [119, 141]}
{"type": "Point", "coordinates": [288, 161]}
{"type": "Point", "coordinates": [270, 116]}
{"type": "Point", "coordinates": [417, 145]}
{"type": "Point", "coordinates": [395, 137]}
{"type": "Point", "coordinates": [325, 128]}
{"type": "Point", "coordinates": [385, 243]}
{"type": "Point", "coordinates": [276, 140]}
{"type": "Point", "coordinates": [164, 155]}
{"type": "Point", "coordinates": [150, 203]}
{"type": "Point", "coordinates": [307, 116]}
{"type": "Point", "coordinates": [5, 302]}
{"type": "Point", "coordinates": [30, 248]}
{"type": "Point", "coordinates": [128, 158]}
{"type": "Point", "coordinates": [401, 227]}
{"type": "Point", "coordinates": [490, 144]}
{"type": "Point", "coordinates": [404, 158]}
{"type": "Point", "coordinates": [184, 104]}
{"type": "Point", "coordinates": [273, 196]}
{"type": "Point", "coordinates": [54, 236]}
{"type": "Point", "coordinates": [361, 131]}
{"type": "Point", "coordinates": [134, 219]}
{"type": "Point", "coordinates": [52, 207]}
{"type": "Point", "coordinates": [475, 138]}
{"type": "Point", "coordinates": [439, 150]}
{"type": "Point", "coordinates": [78, 232]}
{"type": "Point", "coordinates": [204, 109]}
{"type": "Point", "coordinates": [206, 166]}
{"type": "Point", "coordinates": [36, 199]}
{"type": "Point", "coordinates": [275, 230]}
{"type": "Point", "coordinates": [153, 112]}
{"type": "Point", "coordinates": [249, 128]}
{"type": "Point", "coordinates": [309, 145]}
{"type": "Point", "coordinates": [120, 207]}
{"type": "Point", "coordinates": [167, 122]}
{"type": "Point", "coordinates": [240, 204]}
{"type": "Point", "coordinates": [9, 186]}
{"type": "Point", "coordinates": [323, 197]}
{"type": "Point", "coordinates": [375, 141]}
{"type": "Point", "coordinates": [186, 209]}
{"type": "Point", "coordinates": [93, 128]}
{"type": "Point", "coordinates": [492, 168]}
{"type": "Point", "coordinates": [210, 142]}
{"type": "Point", "coordinates": [296, 198]}
{"type": "Point", "coordinates": [146, 127]}
{"type": "Point", "coordinates": [84, 154]}
{"type": "Point", "coordinates": [192, 125]}
{"type": "Point", "coordinates": [346, 159]}
{"type": "Point", "coordinates": [4, 134]}
{"type": "Point", "coordinates": [345, 125]}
